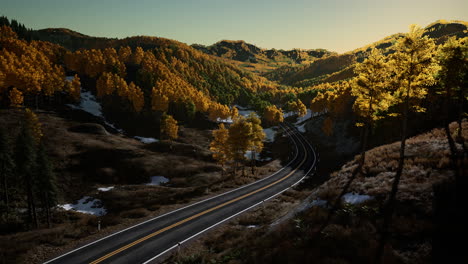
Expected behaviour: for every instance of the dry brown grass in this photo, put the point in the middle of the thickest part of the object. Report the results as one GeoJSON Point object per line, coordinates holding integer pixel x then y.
{"type": "Point", "coordinates": [427, 163]}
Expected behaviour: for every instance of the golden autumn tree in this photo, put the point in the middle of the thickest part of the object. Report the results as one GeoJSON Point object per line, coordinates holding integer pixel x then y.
{"type": "Point", "coordinates": [137, 55]}
{"type": "Point", "coordinates": [257, 136]}
{"type": "Point", "coordinates": [273, 114]}
{"type": "Point", "coordinates": [74, 88]}
{"type": "Point", "coordinates": [159, 101]}
{"type": "Point", "coordinates": [371, 91]}
{"type": "Point", "coordinates": [29, 67]}
{"type": "Point", "coordinates": [234, 113]}
{"type": "Point", "coordinates": [108, 83]}
{"type": "Point", "coordinates": [413, 68]}
{"type": "Point", "coordinates": [125, 54]}
{"type": "Point", "coordinates": [32, 121]}
{"type": "Point", "coordinates": [333, 102]}
{"type": "Point", "coordinates": [453, 77]}
{"type": "Point", "coordinates": [239, 141]}
{"type": "Point", "coordinates": [219, 146]}
{"type": "Point", "coordinates": [16, 97]}
{"type": "Point", "coordinates": [169, 127]}
{"type": "Point", "coordinates": [297, 107]}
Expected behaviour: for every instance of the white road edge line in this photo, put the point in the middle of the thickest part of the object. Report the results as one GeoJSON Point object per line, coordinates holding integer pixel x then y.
{"type": "Point", "coordinates": [234, 215]}
{"type": "Point", "coordinates": [182, 208]}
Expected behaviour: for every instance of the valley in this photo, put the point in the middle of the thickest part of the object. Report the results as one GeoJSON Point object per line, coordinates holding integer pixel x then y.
{"type": "Point", "coordinates": [149, 150]}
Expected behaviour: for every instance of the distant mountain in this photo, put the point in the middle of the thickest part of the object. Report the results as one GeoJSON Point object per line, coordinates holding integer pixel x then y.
{"type": "Point", "coordinates": [341, 67]}
{"type": "Point", "coordinates": [258, 59]}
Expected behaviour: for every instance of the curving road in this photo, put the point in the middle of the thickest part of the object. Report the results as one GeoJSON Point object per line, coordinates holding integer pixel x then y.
{"type": "Point", "coordinates": [149, 240]}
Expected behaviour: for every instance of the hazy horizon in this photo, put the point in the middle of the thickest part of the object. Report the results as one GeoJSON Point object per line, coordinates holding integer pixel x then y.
{"type": "Point", "coordinates": [335, 25]}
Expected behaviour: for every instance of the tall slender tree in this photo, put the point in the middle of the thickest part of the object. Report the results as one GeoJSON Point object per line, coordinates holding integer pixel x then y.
{"type": "Point", "coordinates": [46, 182]}
{"type": "Point", "coordinates": [219, 145]}
{"type": "Point", "coordinates": [7, 168]}
{"type": "Point", "coordinates": [413, 68]}
{"type": "Point", "coordinates": [371, 91]}
{"type": "Point", "coordinates": [25, 159]}
{"type": "Point", "coordinates": [257, 137]}
{"type": "Point", "coordinates": [239, 141]}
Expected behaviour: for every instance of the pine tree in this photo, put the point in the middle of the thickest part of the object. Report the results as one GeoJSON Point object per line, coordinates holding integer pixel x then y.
{"type": "Point", "coordinates": [371, 91]}
{"type": "Point", "coordinates": [25, 159]}
{"type": "Point", "coordinates": [413, 65]}
{"type": "Point", "coordinates": [7, 169]}
{"type": "Point", "coordinates": [46, 182]}
{"type": "Point", "coordinates": [453, 77]}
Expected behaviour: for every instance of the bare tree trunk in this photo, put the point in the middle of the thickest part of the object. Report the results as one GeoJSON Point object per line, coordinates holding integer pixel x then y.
{"type": "Point", "coordinates": [389, 206]}
{"type": "Point", "coordinates": [253, 163]}
{"type": "Point", "coordinates": [5, 191]}
{"type": "Point", "coordinates": [31, 207]}
{"type": "Point", "coordinates": [47, 205]}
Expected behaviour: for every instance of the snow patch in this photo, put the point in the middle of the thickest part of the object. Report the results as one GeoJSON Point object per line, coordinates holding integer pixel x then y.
{"type": "Point", "coordinates": [88, 104]}
{"type": "Point", "coordinates": [270, 134]}
{"type": "Point", "coordinates": [105, 189]}
{"type": "Point", "coordinates": [305, 117]}
{"type": "Point", "coordinates": [146, 140]}
{"type": "Point", "coordinates": [226, 121]}
{"type": "Point", "coordinates": [86, 205]}
{"type": "Point", "coordinates": [288, 114]}
{"type": "Point", "coordinates": [252, 226]}
{"type": "Point", "coordinates": [354, 198]}
{"type": "Point", "coordinates": [301, 128]}
{"type": "Point", "coordinates": [319, 203]}
{"type": "Point", "coordinates": [157, 180]}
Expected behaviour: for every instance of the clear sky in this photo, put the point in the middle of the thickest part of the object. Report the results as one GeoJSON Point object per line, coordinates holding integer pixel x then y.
{"type": "Point", "coordinates": [338, 25]}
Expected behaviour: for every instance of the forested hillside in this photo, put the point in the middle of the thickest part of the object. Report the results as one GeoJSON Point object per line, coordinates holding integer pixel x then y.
{"type": "Point", "coordinates": [260, 60]}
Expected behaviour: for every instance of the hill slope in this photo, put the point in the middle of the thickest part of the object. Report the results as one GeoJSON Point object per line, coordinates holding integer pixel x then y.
{"type": "Point", "coordinates": [260, 60]}
{"type": "Point", "coordinates": [340, 67]}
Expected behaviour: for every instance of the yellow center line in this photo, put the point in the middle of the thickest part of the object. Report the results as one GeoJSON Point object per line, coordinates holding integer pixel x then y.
{"type": "Point", "coordinates": [196, 215]}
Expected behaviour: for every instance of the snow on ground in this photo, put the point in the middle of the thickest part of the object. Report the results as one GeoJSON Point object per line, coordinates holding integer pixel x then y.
{"type": "Point", "coordinates": [270, 134]}
{"type": "Point", "coordinates": [226, 121]}
{"type": "Point", "coordinates": [301, 128]}
{"type": "Point", "coordinates": [157, 180]}
{"type": "Point", "coordinates": [244, 111]}
{"type": "Point", "coordinates": [146, 140]}
{"type": "Point", "coordinates": [105, 189]}
{"type": "Point", "coordinates": [86, 205]}
{"type": "Point", "coordinates": [354, 198]}
{"type": "Point", "coordinates": [304, 118]}
{"type": "Point", "coordinates": [319, 202]}
{"type": "Point", "coordinates": [248, 156]}
{"type": "Point", "coordinates": [288, 114]}
{"type": "Point", "coordinates": [88, 104]}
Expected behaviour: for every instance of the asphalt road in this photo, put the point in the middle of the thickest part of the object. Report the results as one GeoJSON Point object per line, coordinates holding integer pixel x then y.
{"type": "Point", "coordinates": [147, 241]}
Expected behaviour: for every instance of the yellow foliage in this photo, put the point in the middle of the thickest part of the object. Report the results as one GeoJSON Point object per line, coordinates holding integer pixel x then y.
{"type": "Point", "coordinates": [273, 114]}
{"type": "Point", "coordinates": [169, 127]}
{"type": "Point", "coordinates": [33, 122]}
{"type": "Point", "coordinates": [297, 107]}
{"type": "Point", "coordinates": [240, 138]}
{"type": "Point", "coordinates": [219, 145]}
{"type": "Point", "coordinates": [16, 97]}
{"type": "Point", "coordinates": [29, 66]}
